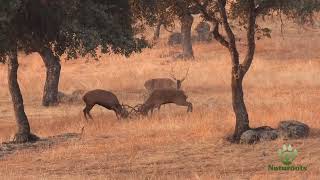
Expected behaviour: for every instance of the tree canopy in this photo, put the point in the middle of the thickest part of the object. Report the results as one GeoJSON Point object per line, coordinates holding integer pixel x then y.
{"type": "Point", "coordinates": [53, 28]}
{"type": "Point", "coordinates": [73, 27]}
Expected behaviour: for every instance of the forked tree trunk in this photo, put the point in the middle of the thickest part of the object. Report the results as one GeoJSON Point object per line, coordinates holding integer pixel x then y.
{"type": "Point", "coordinates": [53, 67]}
{"type": "Point", "coordinates": [238, 70]}
{"type": "Point", "coordinates": [186, 25]}
{"type": "Point", "coordinates": [156, 35]}
{"type": "Point", "coordinates": [23, 134]}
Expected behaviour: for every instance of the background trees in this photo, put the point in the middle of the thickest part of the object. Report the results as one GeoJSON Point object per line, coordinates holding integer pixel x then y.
{"type": "Point", "coordinates": [52, 28]}
{"type": "Point", "coordinates": [165, 12]}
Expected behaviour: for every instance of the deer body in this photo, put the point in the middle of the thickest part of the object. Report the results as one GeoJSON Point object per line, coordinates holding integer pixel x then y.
{"type": "Point", "coordinates": [105, 99]}
{"type": "Point", "coordinates": [165, 96]}
{"type": "Point", "coordinates": [159, 83]}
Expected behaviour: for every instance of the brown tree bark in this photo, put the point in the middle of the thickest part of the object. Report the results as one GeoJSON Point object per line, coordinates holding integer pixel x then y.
{"type": "Point", "coordinates": [156, 35]}
{"type": "Point", "coordinates": [238, 70]}
{"type": "Point", "coordinates": [239, 107]}
{"type": "Point", "coordinates": [23, 134]}
{"type": "Point", "coordinates": [186, 25]}
{"type": "Point", "coordinates": [53, 67]}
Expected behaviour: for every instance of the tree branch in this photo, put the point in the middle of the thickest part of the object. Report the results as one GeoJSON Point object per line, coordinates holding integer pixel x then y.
{"type": "Point", "coordinates": [250, 37]}
{"type": "Point", "coordinates": [202, 9]}
{"type": "Point", "coordinates": [232, 43]}
{"type": "Point", "coordinates": [214, 21]}
{"type": "Point", "coordinates": [218, 36]}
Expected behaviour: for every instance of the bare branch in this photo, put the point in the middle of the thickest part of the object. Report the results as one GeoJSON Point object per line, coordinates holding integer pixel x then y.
{"type": "Point", "coordinates": [250, 37]}
{"type": "Point", "coordinates": [218, 36]}
{"type": "Point", "coordinates": [232, 43]}
{"type": "Point", "coordinates": [214, 21]}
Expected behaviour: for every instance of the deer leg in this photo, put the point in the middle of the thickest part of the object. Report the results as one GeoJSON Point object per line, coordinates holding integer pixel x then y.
{"type": "Point", "coordinates": [90, 115]}
{"type": "Point", "coordinates": [152, 108]}
{"type": "Point", "coordinates": [190, 107]}
{"type": "Point", "coordinates": [117, 115]}
{"type": "Point", "coordinates": [85, 114]}
{"type": "Point", "coordinates": [186, 103]}
{"type": "Point", "coordinates": [86, 111]}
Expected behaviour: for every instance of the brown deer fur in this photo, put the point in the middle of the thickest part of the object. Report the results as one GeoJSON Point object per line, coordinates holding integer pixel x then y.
{"type": "Point", "coordinates": [105, 99]}
{"type": "Point", "coordinates": [165, 96]}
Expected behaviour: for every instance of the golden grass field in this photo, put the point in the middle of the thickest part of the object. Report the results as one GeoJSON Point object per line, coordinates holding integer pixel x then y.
{"type": "Point", "coordinates": [283, 83]}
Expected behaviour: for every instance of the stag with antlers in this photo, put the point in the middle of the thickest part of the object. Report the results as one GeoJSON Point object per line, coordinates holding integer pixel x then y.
{"type": "Point", "coordinates": [165, 83]}
{"type": "Point", "coordinates": [105, 99]}
{"type": "Point", "coordinates": [163, 96]}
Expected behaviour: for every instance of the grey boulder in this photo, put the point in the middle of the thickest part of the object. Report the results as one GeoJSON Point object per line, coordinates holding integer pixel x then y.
{"type": "Point", "coordinates": [293, 129]}
{"type": "Point", "coordinates": [255, 135]}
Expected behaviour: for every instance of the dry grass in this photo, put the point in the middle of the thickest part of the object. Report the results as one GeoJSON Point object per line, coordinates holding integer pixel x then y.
{"type": "Point", "coordinates": [283, 83]}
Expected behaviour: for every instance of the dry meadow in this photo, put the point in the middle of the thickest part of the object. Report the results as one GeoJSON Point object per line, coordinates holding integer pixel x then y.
{"type": "Point", "coordinates": [283, 83]}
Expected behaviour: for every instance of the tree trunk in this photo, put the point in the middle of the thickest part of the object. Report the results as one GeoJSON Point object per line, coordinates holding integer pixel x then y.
{"type": "Point", "coordinates": [238, 70]}
{"type": "Point", "coordinates": [156, 35]}
{"type": "Point", "coordinates": [23, 135]}
{"type": "Point", "coordinates": [52, 63]}
{"type": "Point", "coordinates": [186, 25]}
{"type": "Point", "coordinates": [239, 107]}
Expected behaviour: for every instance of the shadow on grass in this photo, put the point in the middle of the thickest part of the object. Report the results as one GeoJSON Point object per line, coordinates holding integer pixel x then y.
{"type": "Point", "coordinates": [7, 148]}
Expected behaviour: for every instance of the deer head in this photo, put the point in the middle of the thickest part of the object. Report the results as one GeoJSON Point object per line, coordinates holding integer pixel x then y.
{"type": "Point", "coordinates": [179, 81]}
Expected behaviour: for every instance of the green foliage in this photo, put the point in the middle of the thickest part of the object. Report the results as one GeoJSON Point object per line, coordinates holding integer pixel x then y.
{"type": "Point", "coordinates": [166, 11]}
{"type": "Point", "coordinates": [73, 27]}
{"type": "Point", "coordinates": [300, 11]}
{"type": "Point", "coordinates": [153, 11]}
{"type": "Point", "coordinates": [8, 9]}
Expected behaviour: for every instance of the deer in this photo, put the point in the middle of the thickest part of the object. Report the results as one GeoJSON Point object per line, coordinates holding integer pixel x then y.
{"type": "Point", "coordinates": [105, 99]}
{"type": "Point", "coordinates": [165, 83]}
{"type": "Point", "coordinates": [164, 96]}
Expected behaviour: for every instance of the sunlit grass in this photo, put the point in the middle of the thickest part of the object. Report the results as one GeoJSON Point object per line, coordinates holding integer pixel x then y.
{"type": "Point", "coordinates": [282, 84]}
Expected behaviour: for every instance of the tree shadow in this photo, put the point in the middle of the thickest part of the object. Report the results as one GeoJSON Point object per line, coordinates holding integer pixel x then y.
{"type": "Point", "coordinates": [11, 147]}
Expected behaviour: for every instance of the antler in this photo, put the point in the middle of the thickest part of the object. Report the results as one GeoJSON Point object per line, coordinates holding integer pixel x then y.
{"type": "Point", "coordinates": [185, 75]}
{"type": "Point", "coordinates": [133, 109]}
{"type": "Point", "coordinates": [137, 106]}
{"type": "Point", "coordinates": [172, 75]}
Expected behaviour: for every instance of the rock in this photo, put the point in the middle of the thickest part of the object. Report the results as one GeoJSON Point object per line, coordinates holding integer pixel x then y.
{"type": "Point", "coordinates": [175, 38]}
{"type": "Point", "coordinates": [61, 96]}
{"type": "Point", "coordinates": [203, 31]}
{"type": "Point", "coordinates": [249, 137]}
{"type": "Point", "coordinates": [268, 135]}
{"type": "Point", "coordinates": [264, 133]}
{"type": "Point", "coordinates": [293, 129]}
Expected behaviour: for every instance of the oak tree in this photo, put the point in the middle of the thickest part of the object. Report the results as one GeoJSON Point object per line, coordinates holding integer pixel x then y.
{"type": "Point", "coordinates": [246, 12]}
{"type": "Point", "coordinates": [52, 28]}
